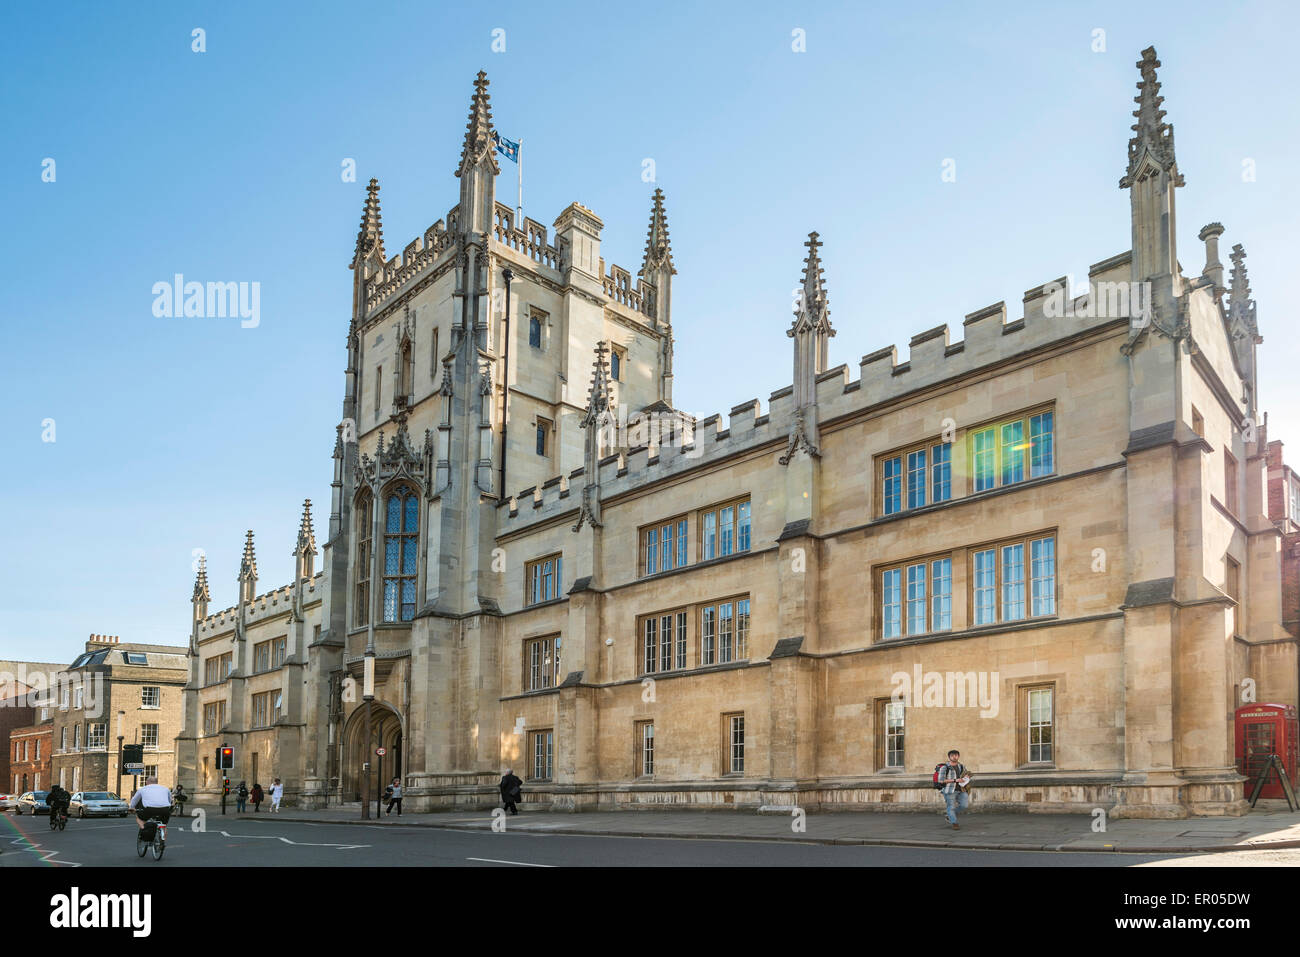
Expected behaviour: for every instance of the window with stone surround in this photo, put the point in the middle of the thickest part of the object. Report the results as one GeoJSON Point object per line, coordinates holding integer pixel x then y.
{"type": "Point", "coordinates": [890, 737]}
{"type": "Point", "coordinates": [664, 545]}
{"type": "Point", "coordinates": [1232, 588]}
{"type": "Point", "coordinates": [1000, 453]}
{"type": "Point", "coordinates": [915, 596]}
{"type": "Point", "coordinates": [661, 641]}
{"type": "Point", "coordinates": [151, 696]}
{"type": "Point", "coordinates": [617, 360]}
{"type": "Point", "coordinates": [280, 648]}
{"type": "Point", "coordinates": [95, 736]}
{"type": "Point", "coordinates": [541, 754]}
{"type": "Point", "coordinates": [645, 749]}
{"type": "Point", "coordinates": [216, 668]}
{"type": "Point", "coordinates": [1006, 581]}
{"type": "Point", "coordinates": [733, 743]}
{"type": "Point", "coordinates": [724, 631]}
{"type": "Point", "coordinates": [266, 708]}
{"type": "Point", "coordinates": [916, 476]}
{"type": "Point", "coordinates": [1013, 580]}
{"type": "Point", "coordinates": [149, 736]}
{"type": "Point", "coordinates": [1230, 482]}
{"type": "Point", "coordinates": [364, 532]}
{"type": "Point", "coordinates": [1036, 724]}
{"type": "Point", "coordinates": [543, 579]}
{"type": "Point", "coordinates": [401, 537]}
{"type": "Point", "coordinates": [214, 717]}
{"type": "Point", "coordinates": [544, 428]}
{"type": "Point", "coordinates": [536, 329]}
{"type": "Point", "coordinates": [725, 529]}
{"type": "Point", "coordinates": [541, 663]}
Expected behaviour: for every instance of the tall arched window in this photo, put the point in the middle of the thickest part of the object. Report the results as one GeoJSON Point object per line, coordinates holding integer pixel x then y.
{"type": "Point", "coordinates": [401, 514]}
{"type": "Point", "coordinates": [362, 614]}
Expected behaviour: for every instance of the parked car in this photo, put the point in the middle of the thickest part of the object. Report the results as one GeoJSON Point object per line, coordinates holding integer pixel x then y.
{"type": "Point", "coordinates": [8, 802]}
{"type": "Point", "coordinates": [96, 804]}
{"type": "Point", "coordinates": [33, 802]}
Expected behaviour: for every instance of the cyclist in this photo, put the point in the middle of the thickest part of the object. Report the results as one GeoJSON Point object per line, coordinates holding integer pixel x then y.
{"type": "Point", "coordinates": [153, 802]}
{"type": "Point", "coordinates": [180, 797]}
{"type": "Point", "coordinates": [57, 800]}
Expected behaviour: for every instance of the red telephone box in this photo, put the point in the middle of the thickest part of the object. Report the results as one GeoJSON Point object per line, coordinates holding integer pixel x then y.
{"type": "Point", "coordinates": [1264, 729]}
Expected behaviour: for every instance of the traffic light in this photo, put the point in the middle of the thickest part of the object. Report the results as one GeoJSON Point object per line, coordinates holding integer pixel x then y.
{"type": "Point", "coordinates": [225, 786]}
{"type": "Point", "coordinates": [225, 759]}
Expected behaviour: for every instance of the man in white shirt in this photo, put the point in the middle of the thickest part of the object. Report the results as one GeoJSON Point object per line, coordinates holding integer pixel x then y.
{"type": "Point", "coordinates": [152, 802]}
{"type": "Point", "coordinates": [277, 792]}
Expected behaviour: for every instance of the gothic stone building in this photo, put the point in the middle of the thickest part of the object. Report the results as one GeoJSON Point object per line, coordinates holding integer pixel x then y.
{"type": "Point", "coordinates": [1045, 543]}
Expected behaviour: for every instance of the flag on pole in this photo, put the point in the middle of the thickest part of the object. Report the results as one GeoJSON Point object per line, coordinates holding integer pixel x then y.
{"type": "Point", "coordinates": [507, 148]}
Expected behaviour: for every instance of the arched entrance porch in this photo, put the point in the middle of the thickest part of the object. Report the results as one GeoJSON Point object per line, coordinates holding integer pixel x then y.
{"type": "Point", "coordinates": [385, 732]}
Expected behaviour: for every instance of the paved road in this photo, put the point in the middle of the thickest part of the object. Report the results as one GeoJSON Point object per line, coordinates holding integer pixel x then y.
{"type": "Point", "coordinates": [244, 842]}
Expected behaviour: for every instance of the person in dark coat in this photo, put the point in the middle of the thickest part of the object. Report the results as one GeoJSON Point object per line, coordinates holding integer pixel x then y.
{"type": "Point", "coordinates": [257, 797]}
{"type": "Point", "coordinates": [511, 790]}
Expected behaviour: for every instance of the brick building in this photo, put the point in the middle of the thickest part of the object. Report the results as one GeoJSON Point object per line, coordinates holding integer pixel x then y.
{"type": "Point", "coordinates": [29, 757]}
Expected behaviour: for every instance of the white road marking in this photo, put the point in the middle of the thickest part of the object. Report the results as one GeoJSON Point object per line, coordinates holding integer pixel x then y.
{"type": "Point", "coordinates": [489, 860]}
{"type": "Point", "coordinates": [28, 845]}
{"type": "Point", "coordinates": [272, 837]}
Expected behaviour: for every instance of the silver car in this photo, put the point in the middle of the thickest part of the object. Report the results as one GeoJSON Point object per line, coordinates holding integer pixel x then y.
{"type": "Point", "coordinates": [96, 804]}
{"type": "Point", "coordinates": [8, 802]}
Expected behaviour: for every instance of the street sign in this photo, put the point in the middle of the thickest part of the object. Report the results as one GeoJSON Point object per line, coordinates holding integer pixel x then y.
{"type": "Point", "coordinates": [381, 751]}
{"type": "Point", "coordinates": [135, 770]}
{"type": "Point", "coordinates": [133, 766]}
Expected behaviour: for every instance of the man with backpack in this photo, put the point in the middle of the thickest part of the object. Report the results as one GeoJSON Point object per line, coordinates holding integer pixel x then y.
{"type": "Point", "coordinates": [953, 780]}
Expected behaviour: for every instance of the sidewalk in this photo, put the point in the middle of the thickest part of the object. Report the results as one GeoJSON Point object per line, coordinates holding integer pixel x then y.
{"type": "Point", "coordinates": [1266, 828]}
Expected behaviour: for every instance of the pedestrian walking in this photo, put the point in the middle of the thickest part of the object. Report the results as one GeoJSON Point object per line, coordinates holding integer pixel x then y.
{"type": "Point", "coordinates": [241, 797]}
{"type": "Point", "coordinates": [953, 781]}
{"type": "Point", "coordinates": [511, 790]}
{"type": "Point", "coordinates": [258, 797]}
{"type": "Point", "coordinates": [394, 794]}
{"type": "Point", "coordinates": [277, 792]}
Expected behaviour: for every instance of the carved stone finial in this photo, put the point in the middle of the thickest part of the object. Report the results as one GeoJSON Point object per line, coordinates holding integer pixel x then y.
{"type": "Point", "coordinates": [371, 236]}
{"type": "Point", "coordinates": [248, 564]}
{"type": "Point", "coordinates": [306, 533]}
{"type": "Point", "coordinates": [1241, 308]}
{"type": "Point", "coordinates": [201, 593]}
{"type": "Point", "coordinates": [599, 397]}
{"type": "Point", "coordinates": [478, 131]}
{"type": "Point", "coordinates": [1152, 143]}
{"type": "Point", "coordinates": [812, 310]}
{"type": "Point", "coordinates": [658, 251]}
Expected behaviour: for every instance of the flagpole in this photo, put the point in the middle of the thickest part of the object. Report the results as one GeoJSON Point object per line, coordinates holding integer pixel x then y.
{"type": "Point", "coordinates": [519, 162]}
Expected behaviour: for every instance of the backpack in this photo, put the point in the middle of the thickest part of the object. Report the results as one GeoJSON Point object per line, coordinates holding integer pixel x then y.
{"type": "Point", "coordinates": [940, 785]}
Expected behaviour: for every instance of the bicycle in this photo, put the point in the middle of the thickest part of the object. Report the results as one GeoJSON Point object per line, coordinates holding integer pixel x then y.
{"type": "Point", "coordinates": [58, 819]}
{"type": "Point", "coordinates": [153, 838]}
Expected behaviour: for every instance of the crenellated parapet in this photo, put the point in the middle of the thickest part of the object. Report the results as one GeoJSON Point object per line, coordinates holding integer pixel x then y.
{"type": "Point", "coordinates": [415, 260]}
{"type": "Point", "coordinates": [1050, 314]}
{"type": "Point", "coordinates": [271, 604]}
{"type": "Point", "coordinates": [531, 240]}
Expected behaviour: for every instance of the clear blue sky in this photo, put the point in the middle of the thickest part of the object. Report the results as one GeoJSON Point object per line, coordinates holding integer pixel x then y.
{"type": "Point", "coordinates": [173, 435]}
